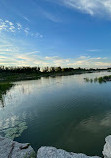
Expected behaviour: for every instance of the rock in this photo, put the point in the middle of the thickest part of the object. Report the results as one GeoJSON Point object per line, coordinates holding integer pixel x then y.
{"type": "Point", "coordinates": [107, 147]}
{"type": "Point", "coordinates": [51, 152]}
{"type": "Point", "coordinates": [12, 149]}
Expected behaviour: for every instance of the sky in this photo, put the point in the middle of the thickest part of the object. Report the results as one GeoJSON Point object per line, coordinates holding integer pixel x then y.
{"type": "Point", "coordinates": [66, 33]}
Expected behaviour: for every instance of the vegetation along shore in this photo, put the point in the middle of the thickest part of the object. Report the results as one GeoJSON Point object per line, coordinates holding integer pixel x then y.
{"type": "Point", "coordinates": [99, 79]}
{"type": "Point", "coordinates": [31, 73]}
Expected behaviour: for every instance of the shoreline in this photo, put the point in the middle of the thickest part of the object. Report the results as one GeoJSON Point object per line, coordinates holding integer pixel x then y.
{"type": "Point", "coordinates": [13, 149]}
{"type": "Point", "coordinates": [12, 77]}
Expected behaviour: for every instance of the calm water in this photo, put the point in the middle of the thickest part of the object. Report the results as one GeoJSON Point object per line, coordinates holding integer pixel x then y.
{"type": "Point", "coordinates": [65, 112]}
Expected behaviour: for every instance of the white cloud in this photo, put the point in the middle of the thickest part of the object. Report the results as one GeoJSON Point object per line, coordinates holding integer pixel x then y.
{"type": "Point", "coordinates": [19, 26]}
{"type": "Point", "coordinates": [12, 28]}
{"type": "Point", "coordinates": [3, 25]}
{"type": "Point", "coordinates": [8, 26]}
{"type": "Point", "coordinates": [34, 58]}
{"type": "Point", "coordinates": [92, 7]}
{"type": "Point", "coordinates": [15, 55]}
{"type": "Point", "coordinates": [9, 22]}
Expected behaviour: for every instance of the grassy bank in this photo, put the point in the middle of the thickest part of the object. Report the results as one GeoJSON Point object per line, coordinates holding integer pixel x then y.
{"type": "Point", "coordinates": [17, 76]}
{"type": "Point", "coordinates": [5, 86]}
{"type": "Point", "coordinates": [10, 76]}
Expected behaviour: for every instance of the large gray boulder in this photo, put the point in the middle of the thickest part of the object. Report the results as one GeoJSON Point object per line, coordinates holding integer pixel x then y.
{"type": "Point", "coordinates": [51, 152]}
{"type": "Point", "coordinates": [107, 147]}
{"type": "Point", "coordinates": [12, 149]}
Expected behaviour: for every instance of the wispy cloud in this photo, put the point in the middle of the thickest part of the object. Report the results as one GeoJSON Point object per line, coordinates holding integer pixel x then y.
{"type": "Point", "coordinates": [8, 26]}
{"type": "Point", "coordinates": [92, 7]}
{"type": "Point", "coordinates": [16, 57]}
{"type": "Point", "coordinates": [19, 26]}
{"type": "Point", "coordinates": [27, 19]}
{"type": "Point", "coordinates": [50, 16]}
{"type": "Point", "coordinates": [94, 50]}
{"type": "Point", "coordinates": [26, 30]}
{"type": "Point", "coordinates": [14, 54]}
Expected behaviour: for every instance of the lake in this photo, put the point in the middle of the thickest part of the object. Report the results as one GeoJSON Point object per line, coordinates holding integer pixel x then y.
{"type": "Point", "coordinates": [64, 111]}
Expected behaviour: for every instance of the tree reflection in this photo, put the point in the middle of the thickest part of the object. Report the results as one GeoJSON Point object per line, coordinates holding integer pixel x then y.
{"type": "Point", "coordinates": [4, 87]}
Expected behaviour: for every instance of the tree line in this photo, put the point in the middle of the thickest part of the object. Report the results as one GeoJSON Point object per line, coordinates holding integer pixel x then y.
{"type": "Point", "coordinates": [28, 69]}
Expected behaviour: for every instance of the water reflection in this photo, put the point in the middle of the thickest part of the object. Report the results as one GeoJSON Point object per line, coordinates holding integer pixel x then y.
{"type": "Point", "coordinates": [96, 124]}
{"type": "Point", "coordinates": [13, 126]}
{"type": "Point", "coordinates": [63, 111]}
{"type": "Point", "coordinates": [4, 88]}
{"type": "Point", "coordinates": [2, 101]}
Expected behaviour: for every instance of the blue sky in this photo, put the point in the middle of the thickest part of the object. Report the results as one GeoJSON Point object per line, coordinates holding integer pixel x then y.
{"type": "Point", "coordinates": [67, 33]}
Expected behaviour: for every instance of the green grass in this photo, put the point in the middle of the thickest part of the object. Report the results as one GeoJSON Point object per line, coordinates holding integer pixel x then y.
{"type": "Point", "coordinates": [17, 76]}
{"type": "Point", "coordinates": [99, 79]}
{"type": "Point", "coordinates": [4, 86]}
